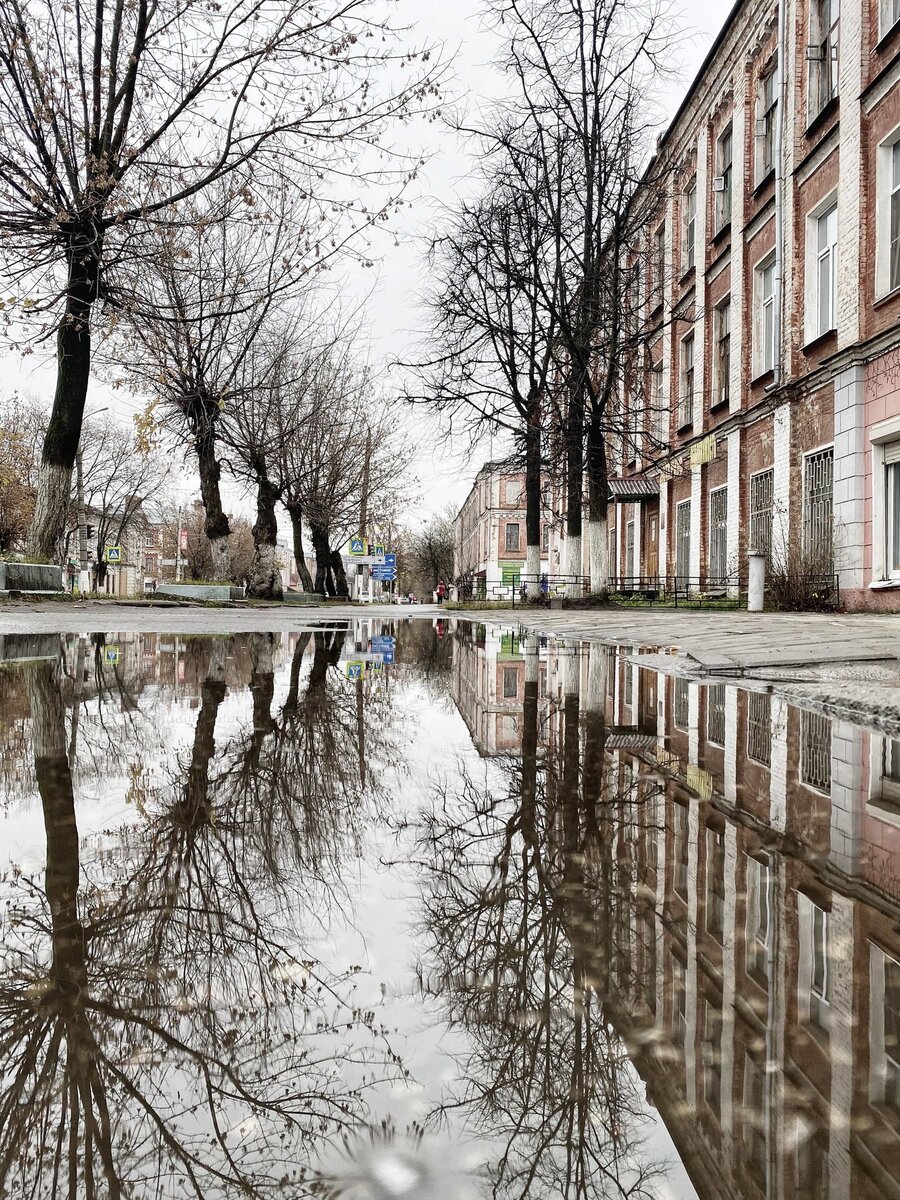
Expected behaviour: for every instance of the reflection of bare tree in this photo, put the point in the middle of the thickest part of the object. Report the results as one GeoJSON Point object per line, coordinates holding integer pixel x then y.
{"type": "Point", "coordinates": [167, 1034]}
{"type": "Point", "coordinates": [521, 939]}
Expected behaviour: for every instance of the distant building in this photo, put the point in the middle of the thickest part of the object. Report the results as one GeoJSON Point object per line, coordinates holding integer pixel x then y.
{"type": "Point", "coordinates": [489, 537]}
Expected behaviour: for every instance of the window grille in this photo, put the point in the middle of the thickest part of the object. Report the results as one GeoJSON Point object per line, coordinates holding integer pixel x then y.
{"type": "Point", "coordinates": [718, 537]}
{"type": "Point", "coordinates": [818, 509]}
{"type": "Point", "coordinates": [715, 714]}
{"type": "Point", "coordinates": [762, 506]}
{"type": "Point", "coordinates": [815, 751]}
{"type": "Point", "coordinates": [759, 727]}
{"type": "Point", "coordinates": [682, 543]}
{"type": "Point", "coordinates": [681, 703]}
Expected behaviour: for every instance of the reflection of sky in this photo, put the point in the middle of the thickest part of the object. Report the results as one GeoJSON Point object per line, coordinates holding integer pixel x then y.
{"type": "Point", "coordinates": [370, 920]}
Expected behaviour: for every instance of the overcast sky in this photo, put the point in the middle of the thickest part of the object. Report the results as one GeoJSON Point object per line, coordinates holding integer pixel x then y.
{"type": "Point", "coordinates": [395, 320]}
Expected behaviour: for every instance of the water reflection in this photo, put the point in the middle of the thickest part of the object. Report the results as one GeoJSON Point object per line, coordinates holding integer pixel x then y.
{"type": "Point", "coordinates": [602, 931]}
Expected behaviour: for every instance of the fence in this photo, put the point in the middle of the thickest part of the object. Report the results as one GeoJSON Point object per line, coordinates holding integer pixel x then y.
{"type": "Point", "coordinates": [515, 591]}
{"type": "Point", "coordinates": [819, 591]}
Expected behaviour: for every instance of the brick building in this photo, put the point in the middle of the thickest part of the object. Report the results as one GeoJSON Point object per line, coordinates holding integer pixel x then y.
{"type": "Point", "coordinates": [767, 397]}
{"type": "Point", "coordinates": [489, 530]}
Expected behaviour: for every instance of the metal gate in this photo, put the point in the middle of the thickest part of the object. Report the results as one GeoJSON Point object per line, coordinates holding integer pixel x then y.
{"type": "Point", "coordinates": [718, 537]}
{"type": "Point", "coordinates": [818, 509]}
{"type": "Point", "coordinates": [682, 543]}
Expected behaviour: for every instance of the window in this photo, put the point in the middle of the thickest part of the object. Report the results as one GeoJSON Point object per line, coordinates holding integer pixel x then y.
{"type": "Point", "coordinates": [545, 539]}
{"type": "Point", "coordinates": [759, 727]}
{"type": "Point", "coordinates": [660, 407]}
{"type": "Point", "coordinates": [633, 429]}
{"type": "Point", "coordinates": [711, 1057]}
{"type": "Point", "coordinates": [891, 454]}
{"type": "Point", "coordinates": [822, 53]}
{"type": "Point", "coordinates": [512, 535]}
{"type": "Point", "coordinates": [819, 968]}
{"type": "Point", "coordinates": [715, 882]}
{"type": "Point", "coordinates": [681, 703]}
{"type": "Point", "coordinates": [718, 537]}
{"type": "Point", "coordinates": [818, 510]}
{"type": "Point", "coordinates": [758, 921]}
{"type": "Point", "coordinates": [765, 298]}
{"type": "Point", "coordinates": [510, 683]}
{"type": "Point", "coordinates": [889, 218]}
{"type": "Point", "coordinates": [762, 507]}
{"type": "Point", "coordinates": [686, 391]}
{"type": "Point", "coordinates": [679, 1001]}
{"type": "Point", "coordinates": [890, 15]}
{"type": "Point", "coordinates": [722, 181]}
{"type": "Point", "coordinates": [682, 544]}
{"type": "Point", "coordinates": [629, 550]}
{"type": "Point", "coordinates": [689, 208]}
{"type": "Point", "coordinates": [766, 108]}
{"type": "Point", "coordinates": [682, 849]}
{"type": "Point", "coordinates": [659, 264]}
{"type": "Point", "coordinates": [822, 272]}
{"type": "Point", "coordinates": [722, 361]}
{"type": "Point", "coordinates": [891, 1094]}
{"type": "Point", "coordinates": [513, 492]}
{"type": "Point", "coordinates": [715, 714]}
{"type": "Point", "coordinates": [815, 751]}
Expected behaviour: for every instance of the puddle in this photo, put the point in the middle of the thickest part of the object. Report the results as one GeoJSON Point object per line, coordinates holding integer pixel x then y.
{"type": "Point", "coordinates": [437, 910]}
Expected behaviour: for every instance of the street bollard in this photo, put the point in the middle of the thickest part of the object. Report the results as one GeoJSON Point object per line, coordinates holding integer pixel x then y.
{"type": "Point", "coordinates": [756, 592]}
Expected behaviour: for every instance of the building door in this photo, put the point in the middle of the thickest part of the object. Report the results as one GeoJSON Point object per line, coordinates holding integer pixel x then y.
{"type": "Point", "coordinates": [682, 544]}
{"type": "Point", "coordinates": [651, 542]}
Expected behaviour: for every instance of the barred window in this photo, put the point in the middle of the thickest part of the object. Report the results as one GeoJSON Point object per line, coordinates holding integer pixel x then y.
{"type": "Point", "coordinates": [762, 507]}
{"type": "Point", "coordinates": [818, 508]}
{"type": "Point", "coordinates": [681, 704]}
{"type": "Point", "coordinates": [815, 751]}
{"type": "Point", "coordinates": [759, 727]}
{"type": "Point", "coordinates": [715, 714]}
{"type": "Point", "coordinates": [682, 542]}
{"type": "Point", "coordinates": [718, 537]}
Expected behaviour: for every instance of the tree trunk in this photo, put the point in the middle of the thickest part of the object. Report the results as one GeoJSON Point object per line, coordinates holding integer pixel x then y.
{"type": "Point", "coordinates": [216, 524]}
{"type": "Point", "coordinates": [265, 577]}
{"type": "Point", "coordinates": [341, 586]}
{"type": "Point", "coordinates": [296, 517]}
{"type": "Point", "coordinates": [73, 368]}
{"type": "Point", "coordinates": [533, 499]}
{"type": "Point", "coordinates": [322, 551]}
{"type": "Point", "coordinates": [598, 510]}
{"type": "Point", "coordinates": [574, 471]}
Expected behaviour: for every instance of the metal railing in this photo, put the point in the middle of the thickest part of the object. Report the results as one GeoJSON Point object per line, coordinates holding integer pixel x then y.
{"type": "Point", "coordinates": [515, 591]}
{"type": "Point", "coordinates": [818, 591]}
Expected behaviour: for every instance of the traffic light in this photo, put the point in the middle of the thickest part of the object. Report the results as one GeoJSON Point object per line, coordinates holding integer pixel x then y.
{"type": "Point", "coordinates": [90, 531]}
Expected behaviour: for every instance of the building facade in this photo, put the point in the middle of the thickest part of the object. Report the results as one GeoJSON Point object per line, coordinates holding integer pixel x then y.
{"type": "Point", "coordinates": [765, 399]}
{"type": "Point", "coordinates": [490, 539]}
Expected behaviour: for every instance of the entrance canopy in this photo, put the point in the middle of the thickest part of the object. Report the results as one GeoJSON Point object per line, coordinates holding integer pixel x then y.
{"type": "Point", "coordinates": [635, 490]}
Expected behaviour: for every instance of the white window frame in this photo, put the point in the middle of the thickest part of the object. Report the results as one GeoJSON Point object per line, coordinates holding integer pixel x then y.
{"type": "Point", "coordinates": [884, 792]}
{"type": "Point", "coordinates": [823, 55]}
{"type": "Point", "coordinates": [765, 122]}
{"type": "Point", "coordinates": [765, 355]}
{"type": "Point", "coordinates": [884, 192]}
{"type": "Point", "coordinates": [882, 435]}
{"type": "Point", "coordinates": [878, 1064]}
{"type": "Point", "coordinates": [685, 402]}
{"type": "Point", "coordinates": [724, 171]}
{"type": "Point", "coordinates": [661, 411]}
{"type": "Point", "coordinates": [815, 256]}
{"type": "Point", "coordinates": [689, 228]}
{"type": "Point", "coordinates": [888, 16]}
{"type": "Point", "coordinates": [719, 384]}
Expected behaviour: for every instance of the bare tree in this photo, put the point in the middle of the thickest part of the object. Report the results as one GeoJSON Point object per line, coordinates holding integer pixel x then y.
{"type": "Point", "coordinates": [123, 484]}
{"type": "Point", "coordinates": [22, 424]}
{"type": "Point", "coordinates": [426, 554]}
{"type": "Point", "coordinates": [113, 114]}
{"type": "Point", "coordinates": [494, 310]}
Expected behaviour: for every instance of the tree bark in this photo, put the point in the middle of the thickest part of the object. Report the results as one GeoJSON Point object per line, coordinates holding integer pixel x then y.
{"type": "Point", "coordinates": [322, 551]}
{"type": "Point", "coordinates": [265, 577]}
{"type": "Point", "coordinates": [574, 471]}
{"type": "Point", "coordinates": [216, 525]}
{"type": "Point", "coordinates": [598, 509]}
{"type": "Point", "coordinates": [73, 367]}
{"type": "Point", "coordinates": [341, 586]}
{"type": "Point", "coordinates": [296, 517]}
{"type": "Point", "coordinates": [533, 498]}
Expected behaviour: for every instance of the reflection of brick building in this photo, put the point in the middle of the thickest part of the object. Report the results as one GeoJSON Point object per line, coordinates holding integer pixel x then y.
{"type": "Point", "coordinates": [765, 404]}
{"type": "Point", "coordinates": [760, 867]}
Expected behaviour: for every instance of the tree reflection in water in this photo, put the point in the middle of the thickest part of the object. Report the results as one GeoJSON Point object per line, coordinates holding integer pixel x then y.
{"type": "Point", "coordinates": [162, 1030]}
{"type": "Point", "coordinates": [519, 910]}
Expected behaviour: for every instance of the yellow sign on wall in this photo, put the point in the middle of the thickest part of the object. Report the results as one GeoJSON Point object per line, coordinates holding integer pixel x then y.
{"type": "Point", "coordinates": [704, 451]}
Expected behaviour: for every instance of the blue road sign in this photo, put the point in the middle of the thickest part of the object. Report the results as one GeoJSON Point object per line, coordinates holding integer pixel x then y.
{"type": "Point", "coordinates": [384, 574]}
{"type": "Point", "coordinates": [390, 560]}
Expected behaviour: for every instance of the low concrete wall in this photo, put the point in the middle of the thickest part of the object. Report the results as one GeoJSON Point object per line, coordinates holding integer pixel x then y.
{"type": "Point", "coordinates": [19, 647]}
{"type": "Point", "coordinates": [200, 591]}
{"type": "Point", "coordinates": [307, 598]}
{"type": "Point", "coordinates": [29, 577]}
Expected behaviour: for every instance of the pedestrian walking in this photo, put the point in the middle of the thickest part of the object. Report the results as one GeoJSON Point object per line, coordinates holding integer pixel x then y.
{"type": "Point", "coordinates": [441, 591]}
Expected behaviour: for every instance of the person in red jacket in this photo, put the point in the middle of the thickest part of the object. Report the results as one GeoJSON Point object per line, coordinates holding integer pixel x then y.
{"type": "Point", "coordinates": [441, 591]}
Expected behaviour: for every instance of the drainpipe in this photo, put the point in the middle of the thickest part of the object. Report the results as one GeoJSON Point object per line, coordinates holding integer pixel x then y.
{"type": "Point", "coordinates": [779, 191]}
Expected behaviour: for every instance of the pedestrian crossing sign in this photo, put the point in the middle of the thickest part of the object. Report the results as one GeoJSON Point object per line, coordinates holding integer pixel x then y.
{"type": "Point", "coordinates": [113, 554]}
{"type": "Point", "coordinates": [357, 545]}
